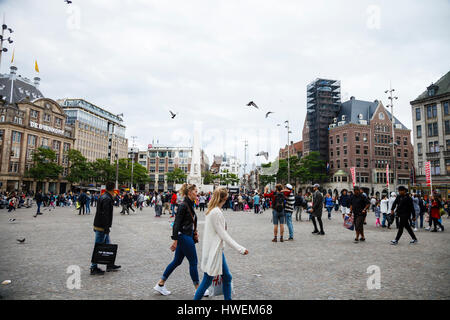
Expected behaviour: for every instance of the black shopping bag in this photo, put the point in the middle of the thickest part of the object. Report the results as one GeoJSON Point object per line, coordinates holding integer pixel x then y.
{"type": "Point", "coordinates": [104, 253]}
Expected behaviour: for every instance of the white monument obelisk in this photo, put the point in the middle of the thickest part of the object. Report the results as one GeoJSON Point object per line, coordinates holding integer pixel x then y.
{"type": "Point", "coordinates": [195, 174]}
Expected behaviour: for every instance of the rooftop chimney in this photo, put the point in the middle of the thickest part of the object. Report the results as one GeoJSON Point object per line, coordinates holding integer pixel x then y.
{"type": "Point", "coordinates": [36, 82]}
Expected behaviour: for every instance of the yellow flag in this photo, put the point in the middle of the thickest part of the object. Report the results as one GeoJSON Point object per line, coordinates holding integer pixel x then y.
{"type": "Point", "coordinates": [36, 66]}
{"type": "Point", "coordinates": [12, 59]}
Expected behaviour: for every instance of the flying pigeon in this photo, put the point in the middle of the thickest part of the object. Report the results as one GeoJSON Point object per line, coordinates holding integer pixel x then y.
{"type": "Point", "coordinates": [68, 1]}
{"type": "Point", "coordinates": [267, 114]}
{"type": "Point", "coordinates": [21, 240]}
{"type": "Point", "coordinates": [251, 103]}
{"type": "Point", "coordinates": [262, 153]}
{"type": "Point", "coordinates": [173, 115]}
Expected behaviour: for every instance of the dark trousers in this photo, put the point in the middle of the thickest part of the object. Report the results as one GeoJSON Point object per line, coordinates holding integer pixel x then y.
{"type": "Point", "coordinates": [319, 219]}
{"type": "Point", "coordinates": [82, 208]}
{"type": "Point", "coordinates": [436, 223]}
{"type": "Point", "coordinates": [202, 207]}
{"type": "Point", "coordinates": [404, 223]}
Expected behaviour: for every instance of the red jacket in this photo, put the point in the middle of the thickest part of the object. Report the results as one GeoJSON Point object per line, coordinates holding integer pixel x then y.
{"type": "Point", "coordinates": [272, 196]}
{"type": "Point", "coordinates": [435, 210]}
{"type": "Point", "coordinates": [174, 199]}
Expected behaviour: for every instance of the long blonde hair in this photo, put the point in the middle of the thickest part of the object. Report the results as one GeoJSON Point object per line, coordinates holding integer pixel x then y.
{"type": "Point", "coordinates": [186, 188]}
{"type": "Point", "coordinates": [219, 195]}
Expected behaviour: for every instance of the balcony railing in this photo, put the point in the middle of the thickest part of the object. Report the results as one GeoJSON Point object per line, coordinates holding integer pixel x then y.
{"type": "Point", "coordinates": [433, 155]}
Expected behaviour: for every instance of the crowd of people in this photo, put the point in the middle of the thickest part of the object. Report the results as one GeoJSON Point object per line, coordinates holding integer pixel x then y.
{"type": "Point", "coordinates": [408, 211]}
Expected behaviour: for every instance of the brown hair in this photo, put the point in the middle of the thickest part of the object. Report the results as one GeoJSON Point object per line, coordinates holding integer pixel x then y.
{"type": "Point", "coordinates": [279, 187]}
{"type": "Point", "coordinates": [186, 188]}
{"type": "Point", "coordinates": [219, 195]}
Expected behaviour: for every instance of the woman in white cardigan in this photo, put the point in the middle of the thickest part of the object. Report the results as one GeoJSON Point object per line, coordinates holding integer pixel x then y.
{"type": "Point", "coordinates": [215, 234]}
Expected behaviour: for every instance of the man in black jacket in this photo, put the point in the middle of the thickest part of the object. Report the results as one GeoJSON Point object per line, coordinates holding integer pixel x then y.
{"type": "Point", "coordinates": [102, 224]}
{"type": "Point", "coordinates": [82, 200]}
{"type": "Point", "coordinates": [38, 197]}
{"type": "Point", "coordinates": [405, 210]}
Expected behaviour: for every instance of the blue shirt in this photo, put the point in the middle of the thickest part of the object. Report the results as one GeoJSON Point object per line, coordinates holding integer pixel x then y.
{"type": "Point", "coordinates": [256, 199]}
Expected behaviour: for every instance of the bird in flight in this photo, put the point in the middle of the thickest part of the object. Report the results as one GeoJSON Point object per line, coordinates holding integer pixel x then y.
{"type": "Point", "coordinates": [68, 1]}
{"type": "Point", "coordinates": [173, 115]}
{"type": "Point", "coordinates": [21, 240]}
{"type": "Point", "coordinates": [263, 153]}
{"type": "Point", "coordinates": [267, 114]}
{"type": "Point", "coordinates": [251, 103]}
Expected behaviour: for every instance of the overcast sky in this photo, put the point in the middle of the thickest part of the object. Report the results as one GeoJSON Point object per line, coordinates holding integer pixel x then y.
{"type": "Point", "coordinates": [207, 59]}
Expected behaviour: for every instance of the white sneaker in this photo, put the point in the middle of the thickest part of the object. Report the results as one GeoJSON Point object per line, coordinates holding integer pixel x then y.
{"type": "Point", "coordinates": [207, 293]}
{"type": "Point", "coordinates": [427, 228]}
{"type": "Point", "coordinates": [415, 230]}
{"type": "Point", "coordinates": [162, 289]}
{"type": "Point", "coordinates": [394, 242]}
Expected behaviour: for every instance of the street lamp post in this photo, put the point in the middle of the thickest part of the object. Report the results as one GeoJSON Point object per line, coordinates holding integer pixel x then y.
{"type": "Point", "coordinates": [132, 160]}
{"type": "Point", "coordinates": [289, 152]}
{"type": "Point", "coordinates": [117, 152]}
{"type": "Point", "coordinates": [394, 164]}
{"type": "Point", "coordinates": [4, 27]}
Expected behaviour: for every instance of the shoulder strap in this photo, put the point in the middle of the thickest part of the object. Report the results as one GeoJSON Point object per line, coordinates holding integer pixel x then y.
{"type": "Point", "coordinates": [192, 216]}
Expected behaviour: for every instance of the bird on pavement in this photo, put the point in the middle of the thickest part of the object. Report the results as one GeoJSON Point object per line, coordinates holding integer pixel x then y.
{"type": "Point", "coordinates": [21, 240]}
{"type": "Point", "coordinates": [173, 115]}
{"type": "Point", "coordinates": [251, 103]}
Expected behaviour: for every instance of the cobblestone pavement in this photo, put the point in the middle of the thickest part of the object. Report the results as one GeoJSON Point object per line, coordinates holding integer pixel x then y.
{"type": "Point", "coordinates": [310, 267]}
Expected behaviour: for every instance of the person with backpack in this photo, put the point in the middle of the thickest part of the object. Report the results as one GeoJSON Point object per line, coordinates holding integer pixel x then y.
{"type": "Point", "coordinates": [82, 201]}
{"type": "Point", "coordinates": [278, 214]}
{"type": "Point", "coordinates": [316, 210]}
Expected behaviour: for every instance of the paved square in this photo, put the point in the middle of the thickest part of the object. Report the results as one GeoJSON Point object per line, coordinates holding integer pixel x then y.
{"type": "Point", "coordinates": [310, 267]}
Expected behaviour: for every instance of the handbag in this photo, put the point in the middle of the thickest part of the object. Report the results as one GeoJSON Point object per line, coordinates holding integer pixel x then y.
{"type": "Point", "coordinates": [348, 223]}
{"type": "Point", "coordinates": [193, 221]}
{"type": "Point", "coordinates": [216, 288]}
{"type": "Point", "coordinates": [104, 253]}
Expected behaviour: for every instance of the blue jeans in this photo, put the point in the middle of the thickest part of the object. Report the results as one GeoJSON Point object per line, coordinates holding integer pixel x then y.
{"type": "Point", "coordinates": [207, 280]}
{"type": "Point", "coordinates": [88, 208]}
{"type": "Point", "coordinates": [185, 248]}
{"type": "Point", "coordinates": [383, 222]}
{"type": "Point", "coordinates": [38, 207]}
{"type": "Point", "coordinates": [289, 224]}
{"type": "Point", "coordinates": [100, 237]}
{"type": "Point", "coordinates": [329, 211]}
{"type": "Point", "coordinates": [172, 208]}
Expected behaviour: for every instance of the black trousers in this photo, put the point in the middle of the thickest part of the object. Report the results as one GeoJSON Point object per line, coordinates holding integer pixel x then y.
{"type": "Point", "coordinates": [404, 224]}
{"type": "Point", "coordinates": [82, 207]}
{"type": "Point", "coordinates": [319, 219]}
{"type": "Point", "coordinates": [202, 206]}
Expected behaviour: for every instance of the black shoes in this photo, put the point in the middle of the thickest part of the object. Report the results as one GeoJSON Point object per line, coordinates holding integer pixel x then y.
{"type": "Point", "coordinates": [281, 239]}
{"type": "Point", "coordinates": [96, 270]}
{"type": "Point", "coordinates": [315, 232]}
{"type": "Point", "coordinates": [112, 268]}
{"type": "Point", "coordinates": [362, 239]}
{"type": "Point", "coordinates": [322, 233]}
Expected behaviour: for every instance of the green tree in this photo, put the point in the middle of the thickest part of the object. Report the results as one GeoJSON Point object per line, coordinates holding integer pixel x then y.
{"type": "Point", "coordinates": [140, 174]}
{"type": "Point", "coordinates": [177, 176]}
{"type": "Point", "coordinates": [266, 179]}
{"type": "Point", "coordinates": [282, 174]}
{"type": "Point", "coordinates": [228, 178]}
{"type": "Point", "coordinates": [209, 178]}
{"type": "Point", "coordinates": [44, 165]}
{"type": "Point", "coordinates": [79, 169]}
{"type": "Point", "coordinates": [311, 169]}
{"type": "Point", "coordinates": [102, 171]}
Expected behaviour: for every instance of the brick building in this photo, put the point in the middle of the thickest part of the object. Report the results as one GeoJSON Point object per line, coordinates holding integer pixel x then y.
{"type": "Point", "coordinates": [295, 149]}
{"type": "Point", "coordinates": [361, 137]}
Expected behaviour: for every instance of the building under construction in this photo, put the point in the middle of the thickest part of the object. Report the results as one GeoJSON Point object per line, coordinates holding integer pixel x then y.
{"type": "Point", "coordinates": [323, 103]}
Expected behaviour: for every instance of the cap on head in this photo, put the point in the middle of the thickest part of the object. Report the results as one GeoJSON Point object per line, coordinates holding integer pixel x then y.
{"type": "Point", "coordinates": [289, 186]}
{"type": "Point", "coordinates": [393, 194]}
{"type": "Point", "coordinates": [316, 185]}
{"type": "Point", "coordinates": [402, 188]}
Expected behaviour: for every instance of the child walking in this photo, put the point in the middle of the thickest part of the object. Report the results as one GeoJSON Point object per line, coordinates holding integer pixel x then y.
{"type": "Point", "coordinates": [377, 214]}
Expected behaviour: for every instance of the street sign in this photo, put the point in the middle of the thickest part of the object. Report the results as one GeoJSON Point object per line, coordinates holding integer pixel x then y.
{"type": "Point", "coordinates": [428, 173]}
{"type": "Point", "coordinates": [353, 172]}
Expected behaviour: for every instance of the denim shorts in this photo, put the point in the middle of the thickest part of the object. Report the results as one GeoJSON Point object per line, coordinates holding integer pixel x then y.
{"type": "Point", "coordinates": [278, 217]}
